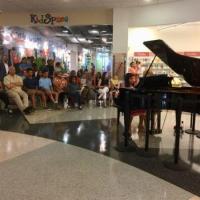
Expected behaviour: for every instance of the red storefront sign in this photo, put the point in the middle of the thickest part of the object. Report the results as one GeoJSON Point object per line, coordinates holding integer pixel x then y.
{"type": "Point", "coordinates": [150, 54]}
{"type": "Point", "coordinates": [192, 54]}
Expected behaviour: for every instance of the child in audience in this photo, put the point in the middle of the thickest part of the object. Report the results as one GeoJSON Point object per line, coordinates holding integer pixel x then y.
{"type": "Point", "coordinates": [45, 85]}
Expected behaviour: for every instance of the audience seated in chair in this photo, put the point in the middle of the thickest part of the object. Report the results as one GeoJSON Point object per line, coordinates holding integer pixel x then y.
{"type": "Point", "coordinates": [73, 90]}
{"type": "Point", "coordinates": [60, 85]}
{"type": "Point", "coordinates": [13, 84]}
{"type": "Point", "coordinates": [45, 85]}
{"type": "Point", "coordinates": [30, 85]}
{"type": "Point", "coordinates": [103, 85]}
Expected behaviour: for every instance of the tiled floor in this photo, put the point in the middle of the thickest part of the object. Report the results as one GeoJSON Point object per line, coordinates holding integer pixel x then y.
{"type": "Point", "coordinates": [98, 133]}
{"type": "Point", "coordinates": [70, 115]}
{"type": "Point", "coordinates": [14, 144]}
{"type": "Point", "coordinates": [59, 171]}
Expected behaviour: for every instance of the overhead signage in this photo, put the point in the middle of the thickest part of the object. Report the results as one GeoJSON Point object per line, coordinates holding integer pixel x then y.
{"type": "Point", "coordinates": [47, 19]}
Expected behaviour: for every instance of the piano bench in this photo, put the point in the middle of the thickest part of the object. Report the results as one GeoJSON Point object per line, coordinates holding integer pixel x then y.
{"type": "Point", "coordinates": [138, 113]}
{"type": "Point", "coordinates": [133, 113]}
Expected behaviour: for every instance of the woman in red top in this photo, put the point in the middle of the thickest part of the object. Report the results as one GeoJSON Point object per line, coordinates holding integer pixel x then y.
{"type": "Point", "coordinates": [134, 68]}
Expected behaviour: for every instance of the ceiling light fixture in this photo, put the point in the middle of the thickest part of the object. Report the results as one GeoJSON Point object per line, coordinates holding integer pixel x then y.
{"type": "Point", "coordinates": [74, 40]}
{"type": "Point", "coordinates": [93, 32]}
{"type": "Point", "coordinates": [65, 31]}
{"type": "Point", "coordinates": [104, 39]}
{"type": "Point", "coordinates": [81, 39]}
{"type": "Point", "coordinates": [89, 41]}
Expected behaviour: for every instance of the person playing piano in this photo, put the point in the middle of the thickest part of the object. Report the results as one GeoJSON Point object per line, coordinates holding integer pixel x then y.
{"type": "Point", "coordinates": [131, 81]}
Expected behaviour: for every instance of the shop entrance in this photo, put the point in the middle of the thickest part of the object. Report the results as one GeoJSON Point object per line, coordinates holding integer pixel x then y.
{"type": "Point", "coordinates": [75, 47]}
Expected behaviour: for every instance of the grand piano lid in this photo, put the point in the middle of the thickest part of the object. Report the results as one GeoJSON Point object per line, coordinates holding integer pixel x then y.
{"type": "Point", "coordinates": [188, 67]}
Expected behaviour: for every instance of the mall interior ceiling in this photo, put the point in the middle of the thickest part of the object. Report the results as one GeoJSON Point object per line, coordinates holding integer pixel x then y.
{"type": "Point", "coordinates": [91, 36]}
{"type": "Point", "coordinates": [63, 5]}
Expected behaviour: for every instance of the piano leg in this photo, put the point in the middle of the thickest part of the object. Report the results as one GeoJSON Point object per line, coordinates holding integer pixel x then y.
{"type": "Point", "coordinates": [178, 132]}
{"type": "Point", "coordinates": [146, 152]}
{"type": "Point", "coordinates": [177, 164]}
{"type": "Point", "coordinates": [127, 124]}
{"type": "Point", "coordinates": [148, 120]}
{"type": "Point", "coordinates": [128, 145]}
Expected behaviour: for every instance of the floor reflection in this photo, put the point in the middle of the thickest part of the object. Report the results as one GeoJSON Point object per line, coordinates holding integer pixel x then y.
{"type": "Point", "coordinates": [100, 136]}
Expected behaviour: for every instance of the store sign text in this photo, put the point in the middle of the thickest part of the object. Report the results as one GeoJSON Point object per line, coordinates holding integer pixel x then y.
{"type": "Point", "coordinates": [47, 19]}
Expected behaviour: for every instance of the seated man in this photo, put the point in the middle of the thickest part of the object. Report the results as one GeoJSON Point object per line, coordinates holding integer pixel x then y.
{"type": "Point", "coordinates": [31, 87]}
{"type": "Point", "coordinates": [13, 84]}
{"type": "Point", "coordinates": [73, 89]}
{"type": "Point", "coordinates": [45, 85]}
{"type": "Point", "coordinates": [4, 98]}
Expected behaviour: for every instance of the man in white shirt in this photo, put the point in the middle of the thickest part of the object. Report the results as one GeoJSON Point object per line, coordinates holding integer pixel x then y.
{"type": "Point", "coordinates": [13, 85]}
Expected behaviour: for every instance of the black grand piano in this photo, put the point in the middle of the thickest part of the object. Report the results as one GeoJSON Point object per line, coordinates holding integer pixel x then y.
{"type": "Point", "coordinates": [157, 93]}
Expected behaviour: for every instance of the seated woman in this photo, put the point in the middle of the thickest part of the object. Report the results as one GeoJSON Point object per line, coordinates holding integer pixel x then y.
{"type": "Point", "coordinates": [87, 90]}
{"type": "Point", "coordinates": [131, 81]}
{"type": "Point", "coordinates": [73, 90]}
{"type": "Point", "coordinates": [114, 88]}
{"type": "Point", "coordinates": [60, 85]}
{"type": "Point", "coordinates": [104, 85]}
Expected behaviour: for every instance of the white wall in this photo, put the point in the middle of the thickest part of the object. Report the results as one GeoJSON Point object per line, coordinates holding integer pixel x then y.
{"type": "Point", "coordinates": [167, 13]}
{"type": "Point", "coordinates": [120, 31]}
{"type": "Point", "coordinates": [161, 14]}
{"type": "Point", "coordinates": [185, 37]}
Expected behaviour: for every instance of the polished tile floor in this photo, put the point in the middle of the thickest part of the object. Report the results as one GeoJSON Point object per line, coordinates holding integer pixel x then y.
{"type": "Point", "coordinates": [97, 132]}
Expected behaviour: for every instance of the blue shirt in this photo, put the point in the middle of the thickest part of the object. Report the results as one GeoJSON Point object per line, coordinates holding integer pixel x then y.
{"type": "Point", "coordinates": [31, 83]}
{"type": "Point", "coordinates": [45, 83]}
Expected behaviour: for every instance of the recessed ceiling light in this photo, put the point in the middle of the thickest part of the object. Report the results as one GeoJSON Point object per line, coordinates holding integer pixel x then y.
{"type": "Point", "coordinates": [65, 31]}
{"type": "Point", "coordinates": [93, 31]}
{"type": "Point", "coordinates": [104, 39]}
{"type": "Point", "coordinates": [81, 39]}
{"type": "Point", "coordinates": [74, 40]}
{"type": "Point", "coordinates": [89, 41]}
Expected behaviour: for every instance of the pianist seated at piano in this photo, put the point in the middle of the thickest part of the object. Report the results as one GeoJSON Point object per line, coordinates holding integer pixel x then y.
{"type": "Point", "coordinates": [131, 81]}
